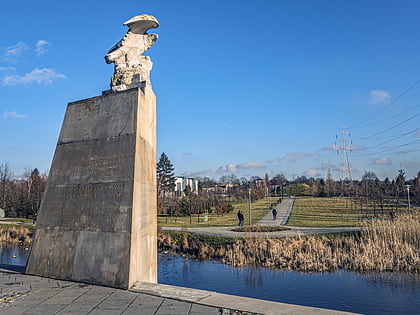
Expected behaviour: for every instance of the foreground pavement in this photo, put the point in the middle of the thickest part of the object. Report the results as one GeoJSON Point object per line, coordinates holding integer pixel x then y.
{"type": "Point", "coordinates": [24, 294]}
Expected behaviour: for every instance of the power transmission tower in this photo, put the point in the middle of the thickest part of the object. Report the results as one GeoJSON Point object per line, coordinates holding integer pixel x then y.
{"type": "Point", "coordinates": [344, 145]}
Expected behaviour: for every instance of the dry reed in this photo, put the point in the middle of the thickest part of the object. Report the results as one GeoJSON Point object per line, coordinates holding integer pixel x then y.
{"type": "Point", "coordinates": [388, 245]}
{"type": "Point", "coordinates": [15, 234]}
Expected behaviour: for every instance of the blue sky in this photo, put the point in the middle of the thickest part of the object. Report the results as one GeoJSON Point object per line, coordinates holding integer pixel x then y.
{"type": "Point", "coordinates": [243, 87]}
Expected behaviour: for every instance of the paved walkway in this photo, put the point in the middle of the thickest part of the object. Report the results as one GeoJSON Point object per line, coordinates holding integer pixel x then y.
{"type": "Point", "coordinates": [283, 211]}
{"type": "Point", "coordinates": [24, 294]}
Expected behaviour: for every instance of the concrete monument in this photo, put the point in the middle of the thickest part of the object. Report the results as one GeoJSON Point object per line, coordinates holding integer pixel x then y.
{"type": "Point", "coordinates": [97, 221]}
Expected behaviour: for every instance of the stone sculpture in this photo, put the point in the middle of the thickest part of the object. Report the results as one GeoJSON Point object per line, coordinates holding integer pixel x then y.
{"type": "Point", "coordinates": [97, 222]}
{"type": "Point", "coordinates": [132, 69]}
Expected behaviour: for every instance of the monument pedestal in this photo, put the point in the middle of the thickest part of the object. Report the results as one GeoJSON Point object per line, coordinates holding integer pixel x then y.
{"type": "Point", "coordinates": [97, 222]}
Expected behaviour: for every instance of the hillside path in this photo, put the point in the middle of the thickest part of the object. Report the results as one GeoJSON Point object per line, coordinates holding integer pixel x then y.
{"type": "Point", "coordinates": [283, 212]}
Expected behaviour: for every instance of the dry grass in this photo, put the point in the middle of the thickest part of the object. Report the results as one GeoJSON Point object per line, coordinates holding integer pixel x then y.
{"type": "Point", "coordinates": [329, 212]}
{"type": "Point", "coordinates": [15, 234]}
{"type": "Point", "coordinates": [381, 246]}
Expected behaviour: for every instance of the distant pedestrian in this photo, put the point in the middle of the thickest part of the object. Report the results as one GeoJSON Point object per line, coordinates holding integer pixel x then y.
{"type": "Point", "coordinates": [240, 218]}
{"type": "Point", "coordinates": [274, 213]}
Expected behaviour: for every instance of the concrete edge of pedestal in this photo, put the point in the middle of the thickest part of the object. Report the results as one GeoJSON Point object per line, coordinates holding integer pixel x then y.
{"type": "Point", "coordinates": [226, 301]}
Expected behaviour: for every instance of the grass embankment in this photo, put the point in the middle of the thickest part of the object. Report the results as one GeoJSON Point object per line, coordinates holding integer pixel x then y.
{"type": "Point", "coordinates": [328, 212]}
{"type": "Point", "coordinates": [258, 210]}
{"type": "Point", "coordinates": [381, 246]}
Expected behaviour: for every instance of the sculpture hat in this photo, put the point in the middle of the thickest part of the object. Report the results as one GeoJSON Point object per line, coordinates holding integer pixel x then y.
{"type": "Point", "coordinates": [141, 23]}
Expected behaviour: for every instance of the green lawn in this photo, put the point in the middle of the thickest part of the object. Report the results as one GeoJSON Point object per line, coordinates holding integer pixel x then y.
{"type": "Point", "coordinates": [16, 220]}
{"type": "Point", "coordinates": [329, 212]}
{"type": "Point", "coordinates": [258, 210]}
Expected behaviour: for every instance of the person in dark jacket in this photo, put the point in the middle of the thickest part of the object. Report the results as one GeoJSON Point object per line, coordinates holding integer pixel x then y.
{"type": "Point", "coordinates": [240, 218]}
{"type": "Point", "coordinates": [274, 213]}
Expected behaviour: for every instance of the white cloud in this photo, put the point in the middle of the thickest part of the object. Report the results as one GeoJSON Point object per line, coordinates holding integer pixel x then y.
{"type": "Point", "coordinates": [381, 161]}
{"type": "Point", "coordinates": [293, 156]}
{"type": "Point", "coordinates": [7, 114]}
{"type": "Point", "coordinates": [230, 168]}
{"type": "Point", "coordinates": [312, 173]}
{"type": "Point", "coordinates": [234, 168]}
{"type": "Point", "coordinates": [41, 76]}
{"type": "Point", "coordinates": [378, 97]}
{"type": "Point", "coordinates": [7, 69]}
{"type": "Point", "coordinates": [330, 148]}
{"type": "Point", "coordinates": [251, 165]}
{"type": "Point", "coordinates": [16, 50]}
{"type": "Point", "coordinates": [40, 47]}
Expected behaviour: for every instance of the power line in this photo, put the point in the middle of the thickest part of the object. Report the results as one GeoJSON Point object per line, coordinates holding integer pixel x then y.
{"type": "Point", "coordinates": [391, 148]}
{"type": "Point", "coordinates": [386, 106]}
{"type": "Point", "coordinates": [388, 129]}
{"type": "Point", "coordinates": [389, 118]}
{"type": "Point", "coordinates": [395, 138]}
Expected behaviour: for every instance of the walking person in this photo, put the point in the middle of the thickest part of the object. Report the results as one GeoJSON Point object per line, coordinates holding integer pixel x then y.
{"type": "Point", "coordinates": [240, 218]}
{"type": "Point", "coordinates": [274, 213]}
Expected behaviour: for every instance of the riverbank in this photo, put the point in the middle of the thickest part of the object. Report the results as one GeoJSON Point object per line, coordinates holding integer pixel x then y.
{"type": "Point", "coordinates": [388, 245]}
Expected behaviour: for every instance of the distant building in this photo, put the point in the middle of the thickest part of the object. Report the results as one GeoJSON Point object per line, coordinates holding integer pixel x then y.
{"type": "Point", "coordinates": [182, 182]}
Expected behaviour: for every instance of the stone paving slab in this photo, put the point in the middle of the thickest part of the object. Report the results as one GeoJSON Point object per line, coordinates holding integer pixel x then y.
{"type": "Point", "coordinates": [37, 295]}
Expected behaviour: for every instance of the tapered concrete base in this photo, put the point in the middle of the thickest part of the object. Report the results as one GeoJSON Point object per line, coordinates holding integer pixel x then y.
{"type": "Point", "coordinates": [97, 222]}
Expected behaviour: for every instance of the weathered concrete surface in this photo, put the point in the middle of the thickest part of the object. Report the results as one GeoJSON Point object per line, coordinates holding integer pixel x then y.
{"type": "Point", "coordinates": [97, 221]}
{"type": "Point", "coordinates": [25, 294]}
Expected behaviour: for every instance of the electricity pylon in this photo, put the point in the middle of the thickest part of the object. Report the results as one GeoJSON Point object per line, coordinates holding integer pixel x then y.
{"type": "Point", "coordinates": [344, 145]}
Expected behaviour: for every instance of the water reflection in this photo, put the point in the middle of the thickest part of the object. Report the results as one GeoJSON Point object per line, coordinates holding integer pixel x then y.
{"type": "Point", "coordinates": [10, 254]}
{"type": "Point", "coordinates": [375, 293]}
{"type": "Point", "coordinates": [388, 293]}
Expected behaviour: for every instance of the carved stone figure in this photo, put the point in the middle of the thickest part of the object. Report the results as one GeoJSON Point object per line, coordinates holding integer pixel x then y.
{"type": "Point", "coordinates": [132, 69]}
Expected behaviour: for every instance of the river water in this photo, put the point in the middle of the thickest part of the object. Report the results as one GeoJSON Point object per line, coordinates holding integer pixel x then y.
{"type": "Point", "coordinates": [374, 293]}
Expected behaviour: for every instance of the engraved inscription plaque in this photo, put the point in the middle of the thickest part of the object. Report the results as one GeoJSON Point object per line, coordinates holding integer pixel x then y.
{"type": "Point", "coordinates": [97, 221]}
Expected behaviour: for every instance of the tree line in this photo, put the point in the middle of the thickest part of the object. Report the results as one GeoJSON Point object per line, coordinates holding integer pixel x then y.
{"type": "Point", "coordinates": [21, 196]}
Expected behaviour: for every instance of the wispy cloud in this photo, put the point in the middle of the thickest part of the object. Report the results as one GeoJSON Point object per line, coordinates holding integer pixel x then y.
{"type": "Point", "coordinates": [294, 156]}
{"type": "Point", "coordinates": [41, 76]}
{"type": "Point", "coordinates": [378, 97]}
{"type": "Point", "coordinates": [205, 172]}
{"type": "Point", "coordinates": [234, 168]}
{"type": "Point", "coordinates": [16, 50]}
{"type": "Point", "coordinates": [330, 148]}
{"type": "Point", "coordinates": [186, 153]}
{"type": "Point", "coordinates": [381, 161]}
{"type": "Point", "coordinates": [13, 115]}
{"type": "Point", "coordinates": [7, 69]}
{"type": "Point", "coordinates": [312, 173]}
{"type": "Point", "coordinates": [251, 165]}
{"type": "Point", "coordinates": [40, 47]}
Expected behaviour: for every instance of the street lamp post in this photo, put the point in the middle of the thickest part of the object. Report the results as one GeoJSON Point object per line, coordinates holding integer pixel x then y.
{"type": "Point", "coordinates": [249, 203]}
{"type": "Point", "coordinates": [408, 196]}
{"type": "Point", "coordinates": [266, 196]}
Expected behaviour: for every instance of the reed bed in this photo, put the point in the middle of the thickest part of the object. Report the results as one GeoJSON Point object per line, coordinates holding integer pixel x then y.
{"type": "Point", "coordinates": [387, 245]}
{"type": "Point", "coordinates": [15, 234]}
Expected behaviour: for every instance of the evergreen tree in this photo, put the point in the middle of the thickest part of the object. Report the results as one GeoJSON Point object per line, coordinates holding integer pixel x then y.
{"type": "Point", "coordinates": [165, 175]}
